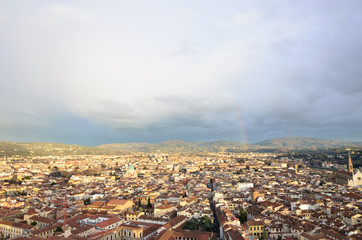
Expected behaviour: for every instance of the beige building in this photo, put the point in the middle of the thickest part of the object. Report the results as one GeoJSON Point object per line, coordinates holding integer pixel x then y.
{"type": "Point", "coordinates": [163, 209]}
{"type": "Point", "coordinates": [120, 205]}
{"type": "Point", "coordinates": [126, 232]}
{"type": "Point", "coordinates": [133, 216]}
{"type": "Point", "coordinates": [255, 228]}
{"type": "Point", "coordinates": [352, 218]}
{"type": "Point", "coordinates": [9, 214]}
{"type": "Point", "coordinates": [255, 194]}
{"type": "Point", "coordinates": [9, 229]}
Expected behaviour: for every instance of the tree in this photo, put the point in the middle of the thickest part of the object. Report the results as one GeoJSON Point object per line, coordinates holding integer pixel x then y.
{"type": "Point", "coordinates": [33, 223]}
{"type": "Point", "coordinates": [139, 202]}
{"type": "Point", "coordinates": [203, 224]}
{"type": "Point", "coordinates": [206, 224]}
{"type": "Point", "coordinates": [86, 201]}
{"type": "Point", "coordinates": [264, 235]}
{"type": "Point", "coordinates": [240, 160]}
{"type": "Point", "coordinates": [322, 182]}
{"type": "Point", "coordinates": [59, 229]}
{"type": "Point", "coordinates": [192, 224]}
{"type": "Point", "coordinates": [149, 205]}
{"type": "Point", "coordinates": [243, 216]}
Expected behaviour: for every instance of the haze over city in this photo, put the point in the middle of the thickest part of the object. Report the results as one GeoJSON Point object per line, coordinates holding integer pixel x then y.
{"type": "Point", "coordinates": [92, 72]}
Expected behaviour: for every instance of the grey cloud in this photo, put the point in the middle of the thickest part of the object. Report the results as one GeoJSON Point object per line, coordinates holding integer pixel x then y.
{"type": "Point", "coordinates": [168, 114]}
{"type": "Point", "coordinates": [292, 68]}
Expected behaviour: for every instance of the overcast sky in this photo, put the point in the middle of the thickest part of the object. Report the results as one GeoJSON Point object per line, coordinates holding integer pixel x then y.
{"type": "Point", "coordinates": [94, 72]}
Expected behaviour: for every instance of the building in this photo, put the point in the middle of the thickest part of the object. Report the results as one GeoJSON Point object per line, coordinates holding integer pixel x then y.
{"type": "Point", "coordinates": [120, 205]}
{"type": "Point", "coordinates": [127, 231]}
{"type": "Point", "coordinates": [131, 172]}
{"type": "Point", "coordinates": [161, 210]}
{"type": "Point", "coordinates": [9, 214]}
{"type": "Point", "coordinates": [244, 186]}
{"type": "Point", "coordinates": [255, 228]}
{"type": "Point", "coordinates": [133, 216]}
{"type": "Point", "coordinates": [183, 235]}
{"type": "Point", "coordinates": [255, 194]}
{"type": "Point", "coordinates": [350, 177]}
{"type": "Point", "coordinates": [9, 229]}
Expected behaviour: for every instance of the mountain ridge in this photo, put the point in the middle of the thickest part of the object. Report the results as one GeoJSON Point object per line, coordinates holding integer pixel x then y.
{"type": "Point", "coordinates": [306, 142]}
{"type": "Point", "coordinates": [171, 146]}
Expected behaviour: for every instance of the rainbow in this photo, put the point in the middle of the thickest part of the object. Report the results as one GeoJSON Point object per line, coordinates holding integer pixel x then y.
{"type": "Point", "coordinates": [241, 126]}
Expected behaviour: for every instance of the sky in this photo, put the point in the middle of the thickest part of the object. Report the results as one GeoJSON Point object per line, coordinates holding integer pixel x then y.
{"type": "Point", "coordinates": [95, 72]}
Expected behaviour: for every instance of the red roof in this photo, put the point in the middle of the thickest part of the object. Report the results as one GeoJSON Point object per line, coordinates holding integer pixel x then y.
{"type": "Point", "coordinates": [117, 202]}
{"type": "Point", "coordinates": [108, 222]}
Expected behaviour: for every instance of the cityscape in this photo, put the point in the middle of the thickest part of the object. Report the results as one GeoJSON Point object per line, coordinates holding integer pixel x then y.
{"type": "Point", "coordinates": [229, 194]}
{"type": "Point", "coordinates": [181, 120]}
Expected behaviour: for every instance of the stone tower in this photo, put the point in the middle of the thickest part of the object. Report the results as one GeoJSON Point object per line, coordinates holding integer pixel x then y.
{"type": "Point", "coordinates": [350, 165]}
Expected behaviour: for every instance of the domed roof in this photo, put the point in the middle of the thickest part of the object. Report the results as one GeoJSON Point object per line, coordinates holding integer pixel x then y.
{"type": "Point", "coordinates": [131, 167]}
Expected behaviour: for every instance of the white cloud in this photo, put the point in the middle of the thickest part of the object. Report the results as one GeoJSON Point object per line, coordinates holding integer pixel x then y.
{"type": "Point", "coordinates": [58, 14]}
{"type": "Point", "coordinates": [3, 17]}
{"type": "Point", "coordinates": [66, 12]}
{"type": "Point", "coordinates": [243, 19]}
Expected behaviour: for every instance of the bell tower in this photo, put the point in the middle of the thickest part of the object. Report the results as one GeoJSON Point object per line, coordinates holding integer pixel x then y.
{"type": "Point", "coordinates": [350, 165]}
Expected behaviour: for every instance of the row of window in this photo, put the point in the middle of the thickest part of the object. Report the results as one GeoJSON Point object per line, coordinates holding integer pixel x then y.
{"type": "Point", "coordinates": [125, 233]}
{"type": "Point", "coordinates": [255, 228]}
{"type": "Point", "coordinates": [5, 229]}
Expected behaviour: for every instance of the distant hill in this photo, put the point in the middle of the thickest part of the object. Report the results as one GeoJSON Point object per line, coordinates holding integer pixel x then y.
{"type": "Point", "coordinates": [48, 149]}
{"type": "Point", "coordinates": [305, 143]}
{"type": "Point", "coordinates": [172, 146]}
{"type": "Point", "coordinates": [177, 146]}
{"type": "Point", "coordinates": [126, 147]}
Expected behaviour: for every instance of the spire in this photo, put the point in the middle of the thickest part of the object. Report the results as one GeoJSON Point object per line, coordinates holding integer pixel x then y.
{"type": "Point", "coordinates": [350, 165]}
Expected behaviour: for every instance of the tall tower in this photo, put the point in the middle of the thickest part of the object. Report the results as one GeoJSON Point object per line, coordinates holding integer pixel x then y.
{"type": "Point", "coordinates": [350, 165]}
